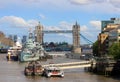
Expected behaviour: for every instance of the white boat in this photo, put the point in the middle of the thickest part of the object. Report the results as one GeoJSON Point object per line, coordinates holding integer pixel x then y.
{"type": "Point", "coordinates": [53, 71]}
{"type": "Point", "coordinates": [14, 51]}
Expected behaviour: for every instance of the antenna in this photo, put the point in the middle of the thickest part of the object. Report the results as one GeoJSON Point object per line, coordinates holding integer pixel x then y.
{"type": "Point", "coordinates": [76, 22]}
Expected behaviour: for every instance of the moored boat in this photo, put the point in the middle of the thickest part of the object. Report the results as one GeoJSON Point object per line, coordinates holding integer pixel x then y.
{"type": "Point", "coordinates": [32, 51]}
{"type": "Point", "coordinates": [33, 68]}
{"type": "Point", "coordinates": [53, 71]}
{"type": "Point", "coordinates": [14, 52]}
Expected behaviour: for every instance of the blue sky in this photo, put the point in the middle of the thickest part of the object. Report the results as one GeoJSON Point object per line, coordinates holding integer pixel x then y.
{"type": "Point", "coordinates": [17, 16]}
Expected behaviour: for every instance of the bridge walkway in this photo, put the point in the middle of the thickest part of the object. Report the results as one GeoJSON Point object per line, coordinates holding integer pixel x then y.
{"type": "Point", "coordinates": [71, 65]}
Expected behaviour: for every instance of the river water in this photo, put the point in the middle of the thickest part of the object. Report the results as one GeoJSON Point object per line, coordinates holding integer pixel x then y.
{"type": "Point", "coordinates": [13, 72]}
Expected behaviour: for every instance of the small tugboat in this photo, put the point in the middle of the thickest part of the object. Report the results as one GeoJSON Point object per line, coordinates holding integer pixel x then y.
{"type": "Point", "coordinates": [33, 68]}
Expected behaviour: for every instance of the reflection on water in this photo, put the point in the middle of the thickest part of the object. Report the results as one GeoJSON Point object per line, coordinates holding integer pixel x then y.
{"type": "Point", "coordinates": [14, 72]}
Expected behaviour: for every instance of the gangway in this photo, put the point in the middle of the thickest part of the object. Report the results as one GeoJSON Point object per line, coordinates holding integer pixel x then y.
{"type": "Point", "coordinates": [71, 65]}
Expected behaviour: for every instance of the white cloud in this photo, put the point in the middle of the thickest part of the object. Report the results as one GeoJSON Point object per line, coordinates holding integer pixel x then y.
{"type": "Point", "coordinates": [96, 24]}
{"type": "Point", "coordinates": [80, 2]}
{"type": "Point", "coordinates": [115, 3]}
{"type": "Point", "coordinates": [52, 28]}
{"type": "Point", "coordinates": [16, 25]}
{"type": "Point", "coordinates": [42, 16]}
{"type": "Point", "coordinates": [32, 23]}
{"type": "Point", "coordinates": [100, 6]}
{"type": "Point", "coordinates": [90, 32]}
{"type": "Point", "coordinates": [63, 25]}
{"type": "Point", "coordinates": [86, 2]}
{"type": "Point", "coordinates": [85, 31]}
{"type": "Point", "coordinates": [66, 35]}
{"type": "Point", "coordinates": [31, 0]}
{"type": "Point", "coordinates": [84, 28]}
{"type": "Point", "coordinates": [14, 21]}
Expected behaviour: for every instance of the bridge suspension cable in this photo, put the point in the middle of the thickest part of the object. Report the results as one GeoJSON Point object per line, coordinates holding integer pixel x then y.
{"type": "Point", "coordinates": [90, 42]}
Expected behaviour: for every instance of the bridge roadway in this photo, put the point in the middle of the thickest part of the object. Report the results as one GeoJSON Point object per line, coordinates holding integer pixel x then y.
{"type": "Point", "coordinates": [57, 31]}
{"type": "Point", "coordinates": [71, 65]}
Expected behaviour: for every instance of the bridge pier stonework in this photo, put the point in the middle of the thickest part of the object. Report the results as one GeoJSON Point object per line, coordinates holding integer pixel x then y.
{"type": "Point", "coordinates": [76, 39]}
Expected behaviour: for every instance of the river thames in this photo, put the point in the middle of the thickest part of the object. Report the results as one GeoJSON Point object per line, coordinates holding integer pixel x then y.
{"type": "Point", "coordinates": [11, 71]}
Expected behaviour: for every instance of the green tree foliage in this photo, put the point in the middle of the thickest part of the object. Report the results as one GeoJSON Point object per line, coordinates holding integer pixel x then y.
{"type": "Point", "coordinates": [95, 49]}
{"type": "Point", "coordinates": [114, 50]}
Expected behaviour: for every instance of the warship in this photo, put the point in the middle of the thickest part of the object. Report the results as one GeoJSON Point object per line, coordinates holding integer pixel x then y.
{"type": "Point", "coordinates": [32, 51]}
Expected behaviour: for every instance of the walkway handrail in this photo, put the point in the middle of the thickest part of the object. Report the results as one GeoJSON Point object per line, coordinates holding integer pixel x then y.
{"type": "Point", "coordinates": [69, 64]}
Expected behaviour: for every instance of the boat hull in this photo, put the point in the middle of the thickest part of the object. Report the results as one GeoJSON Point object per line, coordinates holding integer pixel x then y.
{"type": "Point", "coordinates": [33, 68]}
{"type": "Point", "coordinates": [13, 58]}
{"type": "Point", "coordinates": [27, 57]}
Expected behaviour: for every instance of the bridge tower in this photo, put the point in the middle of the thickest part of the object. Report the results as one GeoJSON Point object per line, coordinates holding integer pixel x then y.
{"type": "Point", "coordinates": [76, 38]}
{"type": "Point", "coordinates": [39, 33]}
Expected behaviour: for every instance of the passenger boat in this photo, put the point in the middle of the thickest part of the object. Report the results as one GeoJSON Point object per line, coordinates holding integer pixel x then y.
{"type": "Point", "coordinates": [33, 68]}
{"type": "Point", "coordinates": [53, 71]}
{"type": "Point", "coordinates": [14, 52]}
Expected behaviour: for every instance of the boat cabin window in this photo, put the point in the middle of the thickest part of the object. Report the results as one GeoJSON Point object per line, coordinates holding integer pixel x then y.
{"type": "Point", "coordinates": [53, 70]}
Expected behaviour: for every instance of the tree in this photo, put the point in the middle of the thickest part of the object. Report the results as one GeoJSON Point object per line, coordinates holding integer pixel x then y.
{"type": "Point", "coordinates": [52, 44]}
{"type": "Point", "coordinates": [114, 50]}
{"type": "Point", "coordinates": [95, 49]}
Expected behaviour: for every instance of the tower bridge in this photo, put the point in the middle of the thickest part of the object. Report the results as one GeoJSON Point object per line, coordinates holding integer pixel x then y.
{"type": "Point", "coordinates": [39, 32]}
